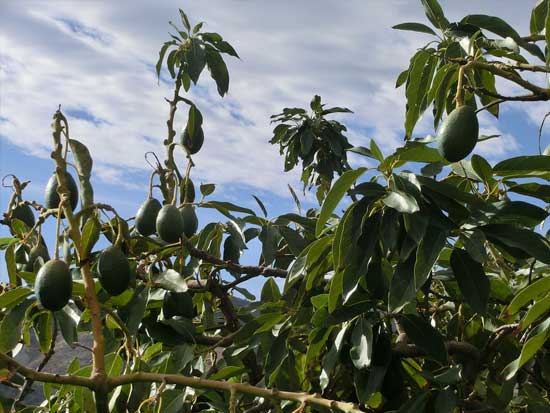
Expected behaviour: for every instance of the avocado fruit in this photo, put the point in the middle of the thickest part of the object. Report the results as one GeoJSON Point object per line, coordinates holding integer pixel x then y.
{"type": "Point", "coordinates": [188, 190]}
{"type": "Point", "coordinates": [24, 213]}
{"type": "Point", "coordinates": [38, 251]}
{"type": "Point", "coordinates": [53, 285]}
{"type": "Point", "coordinates": [190, 220]}
{"type": "Point", "coordinates": [457, 136]}
{"type": "Point", "coordinates": [192, 144]}
{"type": "Point", "coordinates": [178, 304]}
{"type": "Point", "coordinates": [146, 217]}
{"type": "Point", "coordinates": [51, 197]}
{"type": "Point", "coordinates": [170, 224]}
{"type": "Point", "coordinates": [113, 270]}
{"type": "Point", "coordinates": [231, 251]}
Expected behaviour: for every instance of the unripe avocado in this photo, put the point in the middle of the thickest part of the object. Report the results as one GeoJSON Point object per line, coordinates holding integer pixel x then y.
{"type": "Point", "coordinates": [170, 224]}
{"type": "Point", "coordinates": [146, 217]}
{"type": "Point", "coordinates": [51, 197]}
{"type": "Point", "coordinates": [194, 144]}
{"type": "Point", "coordinates": [114, 270]}
{"type": "Point", "coordinates": [190, 220]}
{"type": "Point", "coordinates": [53, 285]}
{"type": "Point", "coordinates": [457, 136]}
{"type": "Point", "coordinates": [178, 304]}
{"type": "Point", "coordinates": [189, 189]}
{"type": "Point", "coordinates": [38, 251]}
{"type": "Point", "coordinates": [231, 251]}
{"type": "Point", "coordinates": [24, 213]}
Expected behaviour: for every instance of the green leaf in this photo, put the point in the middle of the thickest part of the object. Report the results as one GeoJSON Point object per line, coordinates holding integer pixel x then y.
{"type": "Point", "coordinates": [68, 319]}
{"type": "Point", "coordinates": [446, 401]}
{"type": "Point", "coordinates": [269, 237]}
{"type": "Point", "coordinates": [225, 207]}
{"type": "Point", "coordinates": [526, 240]}
{"type": "Point", "coordinates": [82, 158]}
{"type": "Point", "coordinates": [376, 151]}
{"type": "Point", "coordinates": [194, 121]}
{"type": "Point", "coordinates": [529, 349]}
{"type": "Point", "coordinates": [539, 308]}
{"type": "Point", "coordinates": [185, 20]}
{"type": "Point", "coordinates": [14, 296]}
{"type": "Point", "coordinates": [426, 337]}
{"type": "Point", "coordinates": [535, 291]}
{"type": "Point", "coordinates": [416, 89]}
{"type": "Point", "coordinates": [402, 286]}
{"type": "Point", "coordinates": [538, 17]}
{"type": "Point", "coordinates": [472, 281]}
{"type": "Point", "coordinates": [6, 242]}
{"type": "Point", "coordinates": [335, 195]}
{"type": "Point", "coordinates": [261, 205]}
{"type": "Point", "coordinates": [361, 342]}
{"type": "Point", "coordinates": [207, 189]}
{"type": "Point", "coordinates": [482, 168]}
{"type": "Point", "coordinates": [43, 325]}
{"type": "Point", "coordinates": [162, 52]}
{"type": "Point", "coordinates": [11, 265]}
{"type": "Point", "coordinates": [226, 48]}
{"type": "Point", "coordinates": [90, 234]}
{"type": "Point", "coordinates": [426, 255]}
{"type": "Point", "coordinates": [133, 312]}
{"type": "Point", "coordinates": [218, 71]}
{"type": "Point", "coordinates": [196, 58]}
{"type": "Point", "coordinates": [401, 202]}
{"type": "Point", "coordinates": [11, 325]}
{"type": "Point", "coordinates": [434, 12]}
{"type": "Point", "coordinates": [493, 24]}
{"type": "Point", "coordinates": [524, 166]}
{"type": "Point", "coordinates": [415, 27]}
{"type": "Point", "coordinates": [270, 291]}
{"type": "Point", "coordinates": [547, 35]}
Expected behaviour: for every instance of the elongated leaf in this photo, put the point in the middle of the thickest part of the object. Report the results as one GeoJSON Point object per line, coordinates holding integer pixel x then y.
{"type": "Point", "coordinates": [67, 319]}
{"type": "Point", "coordinates": [11, 325]}
{"type": "Point", "coordinates": [82, 158]}
{"type": "Point", "coordinates": [538, 16]}
{"type": "Point", "coordinates": [11, 265]}
{"type": "Point", "coordinates": [537, 309]}
{"type": "Point", "coordinates": [195, 57]}
{"type": "Point", "coordinates": [529, 349]}
{"type": "Point", "coordinates": [218, 71]}
{"type": "Point", "coordinates": [361, 341]}
{"type": "Point", "coordinates": [225, 207]}
{"type": "Point", "coordinates": [535, 291]}
{"type": "Point", "coordinates": [472, 281]}
{"type": "Point", "coordinates": [162, 52]}
{"type": "Point", "coordinates": [269, 238]}
{"type": "Point", "coordinates": [14, 296]}
{"type": "Point", "coordinates": [415, 89]}
{"type": "Point", "coordinates": [493, 24]}
{"type": "Point", "coordinates": [261, 205]}
{"type": "Point", "coordinates": [335, 195]}
{"type": "Point", "coordinates": [402, 287]}
{"type": "Point", "coordinates": [171, 280]}
{"type": "Point", "coordinates": [426, 255]}
{"type": "Point", "coordinates": [525, 240]}
{"type": "Point", "coordinates": [434, 12]}
{"type": "Point", "coordinates": [401, 202]}
{"type": "Point", "coordinates": [421, 333]}
{"type": "Point", "coordinates": [90, 234]}
{"type": "Point", "coordinates": [524, 166]}
{"type": "Point", "coordinates": [414, 27]}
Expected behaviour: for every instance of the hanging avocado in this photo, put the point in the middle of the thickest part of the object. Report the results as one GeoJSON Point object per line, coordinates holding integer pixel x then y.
{"type": "Point", "coordinates": [192, 144]}
{"type": "Point", "coordinates": [457, 136]}
{"type": "Point", "coordinates": [114, 270]}
{"type": "Point", "coordinates": [188, 190]}
{"type": "Point", "coordinates": [146, 217]}
{"type": "Point", "coordinates": [51, 197]}
{"type": "Point", "coordinates": [53, 285]}
{"type": "Point", "coordinates": [38, 251]}
{"type": "Point", "coordinates": [169, 224]}
{"type": "Point", "coordinates": [23, 213]}
{"type": "Point", "coordinates": [178, 304]}
{"type": "Point", "coordinates": [190, 220]}
{"type": "Point", "coordinates": [231, 250]}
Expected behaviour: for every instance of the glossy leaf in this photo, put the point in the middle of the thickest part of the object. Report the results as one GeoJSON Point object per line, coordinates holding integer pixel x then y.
{"type": "Point", "coordinates": [471, 278]}
{"type": "Point", "coordinates": [361, 344]}
{"type": "Point", "coordinates": [415, 27]}
{"type": "Point", "coordinates": [426, 337]}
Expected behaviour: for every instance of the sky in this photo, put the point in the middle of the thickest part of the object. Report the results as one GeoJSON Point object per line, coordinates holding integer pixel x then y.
{"type": "Point", "coordinates": [96, 58]}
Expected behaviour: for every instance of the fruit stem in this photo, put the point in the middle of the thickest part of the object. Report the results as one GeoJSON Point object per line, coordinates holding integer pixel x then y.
{"type": "Point", "coordinates": [150, 193]}
{"type": "Point", "coordinates": [57, 228]}
{"type": "Point", "coordinates": [460, 87]}
{"type": "Point", "coordinates": [187, 173]}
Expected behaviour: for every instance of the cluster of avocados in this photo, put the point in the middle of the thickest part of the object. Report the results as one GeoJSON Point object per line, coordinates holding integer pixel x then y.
{"type": "Point", "coordinates": [168, 221]}
{"type": "Point", "coordinates": [458, 134]}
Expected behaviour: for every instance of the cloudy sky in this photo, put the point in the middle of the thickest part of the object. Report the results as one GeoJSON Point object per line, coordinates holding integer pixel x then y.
{"type": "Point", "coordinates": [96, 59]}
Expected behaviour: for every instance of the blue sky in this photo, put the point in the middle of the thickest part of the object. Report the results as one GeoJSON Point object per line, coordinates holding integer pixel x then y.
{"type": "Point", "coordinates": [96, 59]}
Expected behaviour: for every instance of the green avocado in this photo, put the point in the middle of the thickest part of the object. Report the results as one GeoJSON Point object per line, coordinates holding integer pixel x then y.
{"type": "Point", "coordinates": [38, 251]}
{"type": "Point", "coordinates": [190, 220]}
{"type": "Point", "coordinates": [170, 224]}
{"type": "Point", "coordinates": [52, 197]}
{"type": "Point", "coordinates": [24, 213]}
{"type": "Point", "coordinates": [53, 285]}
{"type": "Point", "coordinates": [194, 144]}
{"type": "Point", "coordinates": [457, 136]}
{"type": "Point", "coordinates": [146, 217]}
{"type": "Point", "coordinates": [178, 304]}
{"type": "Point", "coordinates": [231, 251]}
{"type": "Point", "coordinates": [188, 189]}
{"type": "Point", "coordinates": [114, 270]}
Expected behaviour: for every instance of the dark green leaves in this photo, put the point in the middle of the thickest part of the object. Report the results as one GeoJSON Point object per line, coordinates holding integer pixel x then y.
{"type": "Point", "coordinates": [525, 240]}
{"type": "Point", "coordinates": [471, 279]}
{"type": "Point", "coordinates": [218, 70]}
{"type": "Point", "coordinates": [420, 332]}
{"type": "Point", "coordinates": [414, 27]}
{"type": "Point", "coordinates": [524, 166]}
{"type": "Point", "coordinates": [11, 325]}
{"type": "Point", "coordinates": [434, 12]}
{"type": "Point", "coordinates": [335, 195]}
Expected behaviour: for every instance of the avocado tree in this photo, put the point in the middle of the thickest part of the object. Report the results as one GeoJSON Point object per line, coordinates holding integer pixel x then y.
{"type": "Point", "coordinates": [419, 284]}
